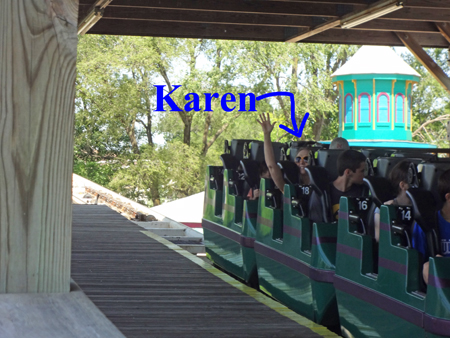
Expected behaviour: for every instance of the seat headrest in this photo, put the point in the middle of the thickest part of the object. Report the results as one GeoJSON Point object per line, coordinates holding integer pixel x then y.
{"type": "Point", "coordinates": [240, 148]}
{"type": "Point", "coordinates": [327, 158]}
{"type": "Point", "coordinates": [319, 177]}
{"type": "Point", "coordinates": [229, 162]}
{"type": "Point", "coordinates": [290, 171]}
{"type": "Point", "coordinates": [251, 172]}
{"type": "Point", "coordinates": [380, 189]}
{"type": "Point", "coordinates": [430, 175]}
{"type": "Point", "coordinates": [424, 208]}
{"type": "Point", "coordinates": [412, 178]}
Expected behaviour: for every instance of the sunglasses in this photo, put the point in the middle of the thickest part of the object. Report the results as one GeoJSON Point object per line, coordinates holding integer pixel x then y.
{"type": "Point", "coordinates": [299, 158]}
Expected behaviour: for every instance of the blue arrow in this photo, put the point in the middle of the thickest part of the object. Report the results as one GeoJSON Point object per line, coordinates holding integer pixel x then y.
{"type": "Point", "coordinates": [297, 132]}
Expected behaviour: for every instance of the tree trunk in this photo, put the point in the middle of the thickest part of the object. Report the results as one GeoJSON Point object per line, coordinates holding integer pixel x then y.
{"type": "Point", "coordinates": [318, 125]}
{"type": "Point", "coordinates": [187, 130]}
{"type": "Point", "coordinates": [132, 135]}
{"type": "Point", "coordinates": [205, 132]}
{"type": "Point", "coordinates": [156, 198]}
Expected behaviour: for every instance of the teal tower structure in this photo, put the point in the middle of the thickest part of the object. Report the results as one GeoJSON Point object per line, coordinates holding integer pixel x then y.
{"type": "Point", "coordinates": [375, 88]}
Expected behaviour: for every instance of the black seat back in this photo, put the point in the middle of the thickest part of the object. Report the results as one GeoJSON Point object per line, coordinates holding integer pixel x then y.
{"type": "Point", "coordinates": [229, 162]}
{"type": "Point", "coordinates": [257, 151]}
{"type": "Point", "coordinates": [410, 154]}
{"type": "Point", "coordinates": [216, 178]}
{"type": "Point", "coordinates": [384, 165]}
{"type": "Point", "coordinates": [429, 177]}
{"type": "Point", "coordinates": [303, 191]}
{"type": "Point", "coordinates": [236, 181]}
{"type": "Point", "coordinates": [240, 149]}
{"type": "Point", "coordinates": [251, 173]}
{"type": "Point", "coordinates": [327, 158]}
{"type": "Point", "coordinates": [424, 209]}
{"type": "Point", "coordinates": [320, 183]}
{"type": "Point", "coordinates": [290, 172]}
{"type": "Point", "coordinates": [372, 154]}
{"type": "Point", "coordinates": [380, 189]}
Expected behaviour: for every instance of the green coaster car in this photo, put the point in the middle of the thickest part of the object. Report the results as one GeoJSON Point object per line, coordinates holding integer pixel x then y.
{"type": "Point", "coordinates": [229, 228]}
{"type": "Point", "coordinates": [392, 302]}
{"type": "Point", "coordinates": [332, 273]}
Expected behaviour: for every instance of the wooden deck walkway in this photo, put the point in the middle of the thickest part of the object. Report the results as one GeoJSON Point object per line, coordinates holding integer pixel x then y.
{"type": "Point", "coordinates": [149, 290]}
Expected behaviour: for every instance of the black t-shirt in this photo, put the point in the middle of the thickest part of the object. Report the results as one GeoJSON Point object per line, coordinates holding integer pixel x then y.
{"type": "Point", "coordinates": [356, 190]}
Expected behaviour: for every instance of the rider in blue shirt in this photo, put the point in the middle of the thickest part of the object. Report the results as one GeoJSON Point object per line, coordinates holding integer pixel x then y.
{"type": "Point", "coordinates": [419, 241]}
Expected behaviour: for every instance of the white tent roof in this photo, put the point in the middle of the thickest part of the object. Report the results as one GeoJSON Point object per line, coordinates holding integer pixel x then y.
{"type": "Point", "coordinates": [184, 210]}
{"type": "Point", "coordinates": [376, 60]}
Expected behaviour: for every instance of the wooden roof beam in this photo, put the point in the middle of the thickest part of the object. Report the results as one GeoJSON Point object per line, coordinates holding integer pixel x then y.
{"type": "Point", "coordinates": [233, 8]}
{"type": "Point", "coordinates": [425, 59]}
{"type": "Point", "coordinates": [374, 11]}
{"type": "Point", "coordinates": [244, 19]}
{"type": "Point", "coordinates": [316, 30]}
{"type": "Point", "coordinates": [420, 4]}
{"type": "Point", "coordinates": [93, 16]}
{"type": "Point", "coordinates": [240, 6]}
{"type": "Point", "coordinates": [355, 18]}
{"type": "Point", "coordinates": [255, 33]}
{"type": "Point", "coordinates": [444, 28]}
{"type": "Point", "coordinates": [247, 19]}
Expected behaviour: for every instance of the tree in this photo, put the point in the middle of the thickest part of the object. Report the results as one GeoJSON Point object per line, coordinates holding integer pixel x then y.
{"type": "Point", "coordinates": [431, 102]}
{"type": "Point", "coordinates": [122, 141]}
{"type": "Point", "coordinates": [302, 69]}
{"type": "Point", "coordinates": [116, 119]}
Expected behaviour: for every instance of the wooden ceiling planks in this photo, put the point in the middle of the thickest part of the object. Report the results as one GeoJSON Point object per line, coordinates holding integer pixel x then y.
{"type": "Point", "coordinates": [271, 20]}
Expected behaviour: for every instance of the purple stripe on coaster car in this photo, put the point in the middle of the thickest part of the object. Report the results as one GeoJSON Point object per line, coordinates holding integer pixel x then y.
{"type": "Point", "coordinates": [319, 275]}
{"type": "Point", "coordinates": [439, 283]}
{"type": "Point", "coordinates": [251, 215]}
{"type": "Point", "coordinates": [393, 266]}
{"type": "Point", "coordinates": [282, 258]}
{"type": "Point", "coordinates": [343, 215]}
{"type": "Point", "coordinates": [324, 240]}
{"type": "Point", "coordinates": [265, 221]}
{"type": "Point", "coordinates": [292, 231]}
{"type": "Point", "coordinates": [436, 326]}
{"type": "Point", "coordinates": [380, 300]}
{"type": "Point", "coordinates": [247, 242]}
{"type": "Point", "coordinates": [345, 249]}
{"type": "Point", "coordinates": [384, 226]}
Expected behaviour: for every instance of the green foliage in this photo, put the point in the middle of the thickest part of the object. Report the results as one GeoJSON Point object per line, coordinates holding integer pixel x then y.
{"type": "Point", "coordinates": [98, 172]}
{"type": "Point", "coordinates": [123, 143]}
{"type": "Point", "coordinates": [305, 70]}
{"type": "Point", "coordinates": [174, 171]}
{"type": "Point", "coordinates": [431, 102]}
{"type": "Point", "coordinates": [116, 122]}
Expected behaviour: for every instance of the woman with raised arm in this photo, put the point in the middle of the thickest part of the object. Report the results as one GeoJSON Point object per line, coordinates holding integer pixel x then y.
{"type": "Point", "coordinates": [275, 172]}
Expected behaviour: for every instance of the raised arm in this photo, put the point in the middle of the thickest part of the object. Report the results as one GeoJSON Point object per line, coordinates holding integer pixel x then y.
{"type": "Point", "coordinates": [275, 171]}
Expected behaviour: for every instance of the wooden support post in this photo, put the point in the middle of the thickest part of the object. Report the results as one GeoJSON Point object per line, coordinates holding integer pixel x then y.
{"type": "Point", "coordinates": [38, 43]}
{"type": "Point", "coordinates": [425, 60]}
